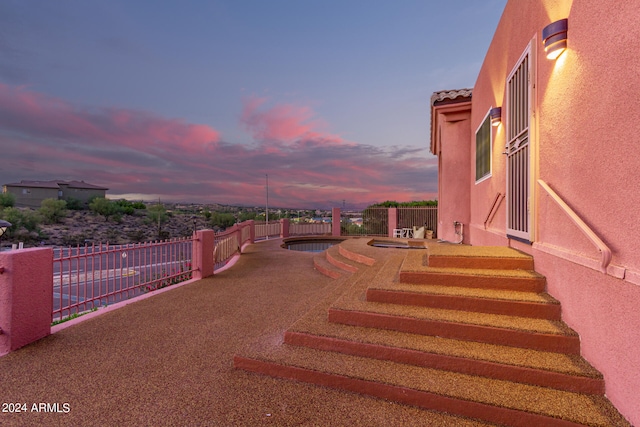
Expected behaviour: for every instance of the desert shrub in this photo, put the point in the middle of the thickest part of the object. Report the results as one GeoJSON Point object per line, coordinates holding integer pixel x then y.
{"type": "Point", "coordinates": [104, 207]}
{"type": "Point", "coordinates": [222, 220]}
{"type": "Point", "coordinates": [53, 210]}
{"type": "Point", "coordinates": [74, 204]}
{"type": "Point", "coordinates": [158, 215]}
{"type": "Point", "coordinates": [26, 220]}
{"type": "Point", "coordinates": [7, 200]}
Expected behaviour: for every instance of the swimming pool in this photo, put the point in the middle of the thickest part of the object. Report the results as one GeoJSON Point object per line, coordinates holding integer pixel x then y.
{"type": "Point", "coordinates": [397, 245]}
{"type": "Point", "coordinates": [316, 245]}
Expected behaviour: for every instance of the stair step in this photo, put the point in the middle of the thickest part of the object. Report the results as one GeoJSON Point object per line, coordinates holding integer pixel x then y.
{"type": "Point", "coordinates": [516, 280]}
{"type": "Point", "coordinates": [494, 301]}
{"type": "Point", "coordinates": [355, 251]}
{"type": "Point", "coordinates": [547, 369]}
{"type": "Point", "coordinates": [454, 340]}
{"type": "Point", "coordinates": [321, 264]}
{"type": "Point", "coordinates": [537, 334]}
{"type": "Point", "coordinates": [335, 258]}
{"type": "Point", "coordinates": [483, 257]}
{"type": "Point", "coordinates": [493, 400]}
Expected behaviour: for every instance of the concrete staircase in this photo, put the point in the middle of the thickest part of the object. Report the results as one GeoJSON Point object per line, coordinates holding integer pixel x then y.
{"type": "Point", "coordinates": [458, 329]}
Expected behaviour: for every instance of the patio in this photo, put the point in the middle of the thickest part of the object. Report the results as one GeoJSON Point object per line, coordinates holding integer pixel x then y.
{"type": "Point", "coordinates": [168, 359]}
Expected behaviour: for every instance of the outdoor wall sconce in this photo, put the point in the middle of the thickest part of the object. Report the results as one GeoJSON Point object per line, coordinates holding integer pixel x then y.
{"type": "Point", "coordinates": [3, 227]}
{"type": "Point", "coordinates": [496, 116]}
{"type": "Point", "coordinates": [554, 38]}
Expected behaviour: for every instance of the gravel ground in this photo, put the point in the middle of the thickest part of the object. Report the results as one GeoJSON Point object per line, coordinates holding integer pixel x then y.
{"type": "Point", "coordinates": [168, 360]}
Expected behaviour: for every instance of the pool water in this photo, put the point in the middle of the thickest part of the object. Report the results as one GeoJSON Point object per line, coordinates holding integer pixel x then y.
{"type": "Point", "coordinates": [311, 246]}
{"type": "Point", "coordinates": [396, 245]}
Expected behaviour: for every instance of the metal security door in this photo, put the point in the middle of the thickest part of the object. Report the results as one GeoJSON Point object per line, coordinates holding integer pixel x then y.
{"type": "Point", "coordinates": [518, 151]}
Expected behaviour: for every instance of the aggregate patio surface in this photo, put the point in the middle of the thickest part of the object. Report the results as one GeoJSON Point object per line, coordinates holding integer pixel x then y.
{"type": "Point", "coordinates": [168, 360]}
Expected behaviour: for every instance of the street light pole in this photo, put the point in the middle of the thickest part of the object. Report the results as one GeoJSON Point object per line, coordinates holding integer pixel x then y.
{"type": "Point", "coordinates": [266, 222]}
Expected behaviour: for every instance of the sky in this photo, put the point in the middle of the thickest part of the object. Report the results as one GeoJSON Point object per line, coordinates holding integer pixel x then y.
{"type": "Point", "coordinates": [208, 101]}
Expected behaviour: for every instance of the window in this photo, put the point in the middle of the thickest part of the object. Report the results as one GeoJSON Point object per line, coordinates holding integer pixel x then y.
{"type": "Point", "coordinates": [483, 150]}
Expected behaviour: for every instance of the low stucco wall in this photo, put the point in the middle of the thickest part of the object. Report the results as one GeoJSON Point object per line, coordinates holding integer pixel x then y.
{"type": "Point", "coordinates": [26, 297]}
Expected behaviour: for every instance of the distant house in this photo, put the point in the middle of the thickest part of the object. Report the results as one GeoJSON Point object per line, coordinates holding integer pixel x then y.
{"type": "Point", "coordinates": [542, 156]}
{"type": "Point", "coordinates": [31, 193]}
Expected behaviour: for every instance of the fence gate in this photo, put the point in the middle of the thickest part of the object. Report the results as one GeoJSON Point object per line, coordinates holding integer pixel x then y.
{"type": "Point", "coordinates": [518, 151]}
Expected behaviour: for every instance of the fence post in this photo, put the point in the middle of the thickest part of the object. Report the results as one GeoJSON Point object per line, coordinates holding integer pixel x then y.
{"type": "Point", "coordinates": [203, 261]}
{"type": "Point", "coordinates": [393, 220]}
{"type": "Point", "coordinates": [335, 222]}
{"type": "Point", "coordinates": [252, 228]}
{"type": "Point", "coordinates": [26, 297]}
{"type": "Point", "coordinates": [284, 227]}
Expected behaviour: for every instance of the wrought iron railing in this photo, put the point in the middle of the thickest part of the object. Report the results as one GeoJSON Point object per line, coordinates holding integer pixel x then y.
{"type": "Point", "coordinates": [423, 216]}
{"type": "Point", "coordinates": [87, 277]}
{"type": "Point", "coordinates": [309, 228]}
{"type": "Point", "coordinates": [375, 221]}
{"type": "Point", "coordinates": [229, 242]}
{"type": "Point", "coordinates": [266, 230]}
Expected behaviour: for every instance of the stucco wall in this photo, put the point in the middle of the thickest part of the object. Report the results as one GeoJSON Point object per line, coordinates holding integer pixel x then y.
{"type": "Point", "coordinates": [604, 311]}
{"type": "Point", "coordinates": [26, 297]}
{"type": "Point", "coordinates": [34, 197]}
{"type": "Point", "coordinates": [454, 170]}
{"type": "Point", "coordinates": [587, 105]}
{"type": "Point", "coordinates": [585, 134]}
{"type": "Point", "coordinates": [82, 194]}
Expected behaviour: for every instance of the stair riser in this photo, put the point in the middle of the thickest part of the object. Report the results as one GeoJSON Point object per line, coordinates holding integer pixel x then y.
{"type": "Point", "coordinates": [353, 256]}
{"type": "Point", "coordinates": [473, 281]}
{"type": "Point", "coordinates": [327, 272]}
{"type": "Point", "coordinates": [341, 265]}
{"type": "Point", "coordinates": [407, 396]}
{"type": "Point", "coordinates": [480, 305]}
{"type": "Point", "coordinates": [522, 339]}
{"type": "Point", "coordinates": [471, 262]}
{"type": "Point", "coordinates": [450, 363]}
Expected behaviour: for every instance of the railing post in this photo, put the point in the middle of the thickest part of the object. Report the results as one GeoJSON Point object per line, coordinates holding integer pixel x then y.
{"type": "Point", "coordinates": [203, 261]}
{"type": "Point", "coordinates": [284, 227]}
{"type": "Point", "coordinates": [252, 227]}
{"type": "Point", "coordinates": [26, 297]}
{"type": "Point", "coordinates": [335, 222]}
{"type": "Point", "coordinates": [392, 220]}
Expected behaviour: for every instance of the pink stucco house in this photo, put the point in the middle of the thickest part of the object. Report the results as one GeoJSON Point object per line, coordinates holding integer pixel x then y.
{"type": "Point", "coordinates": [557, 175]}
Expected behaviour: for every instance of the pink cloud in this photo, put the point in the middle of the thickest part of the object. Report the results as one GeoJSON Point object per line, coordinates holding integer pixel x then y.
{"type": "Point", "coordinates": [139, 152]}
{"type": "Point", "coordinates": [24, 110]}
{"type": "Point", "coordinates": [283, 123]}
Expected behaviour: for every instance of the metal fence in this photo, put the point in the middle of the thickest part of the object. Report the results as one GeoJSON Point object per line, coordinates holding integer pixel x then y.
{"type": "Point", "coordinates": [229, 242]}
{"type": "Point", "coordinates": [87, 277]}
{"type": "Point", "coordinates": [309, 228]}
{"type": "Point", "coordinates": [375, 221]}
{"type": "Point", "coordinates": [426, 216]}
{"type": "Point", "coordinates": [266, 230]}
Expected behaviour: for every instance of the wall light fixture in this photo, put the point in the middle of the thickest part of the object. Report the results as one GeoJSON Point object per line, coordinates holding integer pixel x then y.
{"type": "Point", "coordinates": [554, 38]}
{"type": "Point", "coordinates": [496, 116]}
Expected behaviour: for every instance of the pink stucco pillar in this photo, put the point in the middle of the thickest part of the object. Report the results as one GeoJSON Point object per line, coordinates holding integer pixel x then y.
{"type": "Point", "coordinates": [393, 220]}
{"type": "Point", "coordinates": [284, 227]}
{"type": "Point", "coordinates": [203, 261]}
{"type": "Point", "coordinates": [26, 297]}
{"type": "Point", "coordinates": [252, 227]}
{"type": "Point", "coordinates": [335, 222]}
